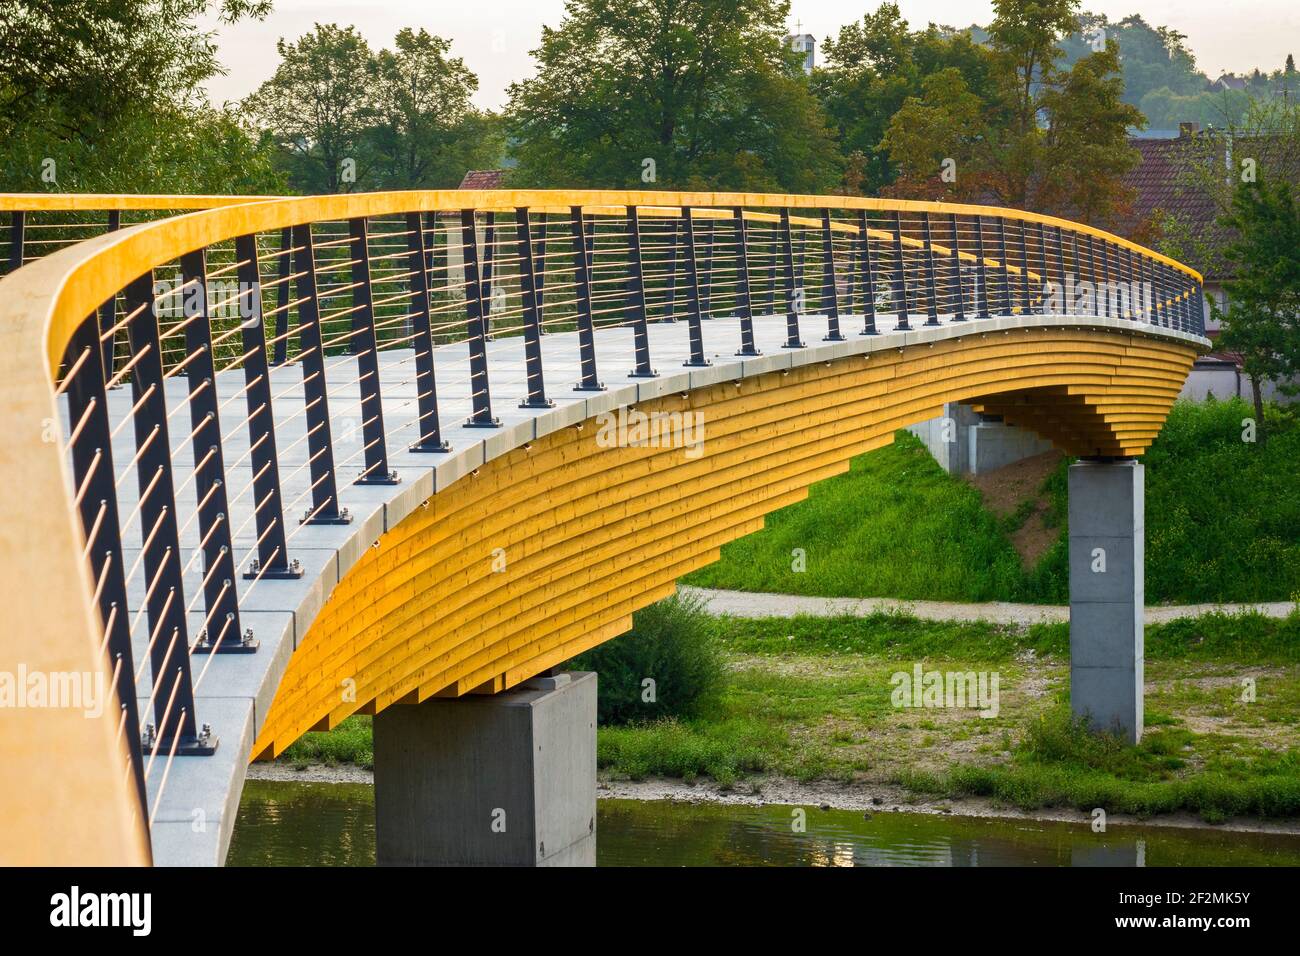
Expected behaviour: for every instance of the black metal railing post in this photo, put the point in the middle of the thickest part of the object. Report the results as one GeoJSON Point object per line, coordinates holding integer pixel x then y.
{"type": "Point", "coordinates": [636, 297]}
{"type": "Point", "coordinates": [867, 280]}
{"type": "Point", "coordinates": [375, 453]}
{"type": "Point", "coordinates": [426, 387]}
{"type": "Point", "coordinates": [169, 648]}
{"type": "Point", "coordinates": [830, 294]}
{"type": "Point", "coordinates": [17, 239]}
{"type": "Point", "coordinates": [221, 632]}
{"type": "Point", "coordinates": [744, 301]}
{"type": "Point", "coordinates": [984, 301]}
{"type": "Point", "coordinates": [1106, 287]}
{"type": "Point", "coordinates": [1026, 289]}
{"type": "Point", "coordinates": [325, 508]}
{"type": "Point", "coordinates": [900, 276]}
{"type": "Point", "coordinates": [792, 303]}
{"type": "Point", "coordinates": [1006, 265]}
{"type": "Point", "coordinates": [931, 267]}
{"type": "Point", "coordinates": [1077, 264]}
{"type": "Point", "coordinates": [272, 559]}
{"type": "Point", "coordinates": [695, 334]}
{"type": "Point", "coordinates": [476, 329]}
{"type": "Point", "coordinates": [532, 321]}
{"type": "Point", "coordinates": [1044, 270]}
{"type": "Point", "coordinates": [959, 313]}
{"type": "Point", "coordinates": [93, 472]}
{"type": "Point", "coordinates": [582, 282]}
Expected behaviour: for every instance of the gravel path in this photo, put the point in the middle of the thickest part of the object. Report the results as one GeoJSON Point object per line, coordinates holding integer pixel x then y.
{"type": "Point", "coordinates": [750, 604]}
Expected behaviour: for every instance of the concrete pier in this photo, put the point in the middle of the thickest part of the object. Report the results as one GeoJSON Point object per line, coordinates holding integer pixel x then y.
{"type": "Point", "coordinates": [506, 779]}
{"type": "Point", "coordinates": [1107, 532]}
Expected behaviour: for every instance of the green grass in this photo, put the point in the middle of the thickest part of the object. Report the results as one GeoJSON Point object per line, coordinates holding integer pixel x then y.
{"type": "Point", "coordinates": [1222, 524]}
{"type": "Point", "coordinates": [898, 636]}
{"type": "Point", "coordinates": [810, 698]}
{"type": "Point", "coordinates": [894, 526]}
{"type": "Point", "coordinates": [350, 742]}
{"type": "Point", "coordinates": [1060, 764]}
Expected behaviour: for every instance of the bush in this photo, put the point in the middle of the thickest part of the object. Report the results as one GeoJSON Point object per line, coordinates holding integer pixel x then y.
{"type": "Point", "coordinates": [671, 643]}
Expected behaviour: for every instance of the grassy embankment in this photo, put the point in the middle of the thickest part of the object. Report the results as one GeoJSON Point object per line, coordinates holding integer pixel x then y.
{"type": "Point", "coordinates": [810, 699]}
{"type": "Point", "coordinates": [1222, 517]}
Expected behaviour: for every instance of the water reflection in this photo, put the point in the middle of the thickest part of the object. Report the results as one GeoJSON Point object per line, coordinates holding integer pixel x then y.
{"type": "Point", "coordinates": [314, 824]}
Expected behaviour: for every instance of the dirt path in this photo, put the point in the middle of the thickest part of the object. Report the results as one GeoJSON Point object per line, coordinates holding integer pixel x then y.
{"type": "Point", "coordinates": [755, 605]}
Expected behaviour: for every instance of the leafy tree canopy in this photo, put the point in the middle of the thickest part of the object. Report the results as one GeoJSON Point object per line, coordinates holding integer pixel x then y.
{"type": "Point", "coordinates": [105, 95]}
{"type": "Point", "coordinates": [345, 117]}
{"type": "Point", "coordinates": [670, 93]}
{"type": "Point", "coordinates": [1031, 134]}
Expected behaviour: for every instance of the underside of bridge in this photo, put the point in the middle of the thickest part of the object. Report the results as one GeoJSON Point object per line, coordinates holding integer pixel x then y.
{"type": "Point", "coordinates": [547, 550]}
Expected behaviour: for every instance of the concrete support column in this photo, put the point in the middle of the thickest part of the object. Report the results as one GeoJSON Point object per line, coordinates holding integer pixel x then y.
{"type": "Point", "coordinates": [501, 780]}
{"type": "Point", "coordinates": [1107, 532]}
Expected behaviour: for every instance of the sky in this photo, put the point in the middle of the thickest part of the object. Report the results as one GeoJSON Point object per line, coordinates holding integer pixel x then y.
{"type": "Point", "coordinates": [495, 37]}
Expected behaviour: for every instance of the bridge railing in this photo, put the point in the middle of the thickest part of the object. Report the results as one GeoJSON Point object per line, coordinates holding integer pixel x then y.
{"type": "Point", "coordinates": [117, 337]}
{"type": "Point", "coordinates": [41, 223]}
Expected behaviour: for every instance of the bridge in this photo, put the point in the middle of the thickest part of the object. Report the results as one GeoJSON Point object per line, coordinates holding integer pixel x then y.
{"type": "Point", "coordinates": [273, 462]}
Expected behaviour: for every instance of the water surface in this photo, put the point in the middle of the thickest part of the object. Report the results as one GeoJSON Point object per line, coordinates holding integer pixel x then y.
{"type": "Point", "coordinates": [331, 824]}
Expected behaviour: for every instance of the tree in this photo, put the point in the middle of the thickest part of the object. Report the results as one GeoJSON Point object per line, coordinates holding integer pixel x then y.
{"type": "Point", "coordinates": [1151, 58]}
{"type": "Point", "coordinates": [1038, 137]}
{"type": "Point", "coordinates": [89, 61]}
{"type": "Point", "coordinates": [317, 105]}
{"type": "Point", "coordinates": [683, 93]}
{"type": "Point", "coordinates": [346, 118]}
{"type": "Point", "coordinates": [1262, 319]}
{"type": "Point", "coordinates": [426, 132]}
{"type": "Point", "coordinates": [106, 95]}
{"type": "Point", "coordinates": [870, 70]}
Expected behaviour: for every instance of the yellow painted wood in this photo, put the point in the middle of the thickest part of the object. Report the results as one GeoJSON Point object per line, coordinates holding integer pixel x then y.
{"type": "Point", "coordinates": [591, 534]}
{"type": "Point", "coordinates": [68, 800]}
{"type": "Point", "coordinates": [91, 202]}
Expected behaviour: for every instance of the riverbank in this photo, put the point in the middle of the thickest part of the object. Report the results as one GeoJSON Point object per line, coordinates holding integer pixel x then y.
{"type": "Point", "coordinates": [808, 713]}
{"type": "Point", "coordinates": [782, 791]}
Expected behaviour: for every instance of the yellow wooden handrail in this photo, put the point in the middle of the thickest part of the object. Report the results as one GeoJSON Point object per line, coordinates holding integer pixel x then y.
{"type": "Point", "coordinates": [87, 202]}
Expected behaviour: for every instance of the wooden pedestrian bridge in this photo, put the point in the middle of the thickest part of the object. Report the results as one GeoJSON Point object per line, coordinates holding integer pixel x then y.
{"type": "Point", "coordinates": [271, 462]}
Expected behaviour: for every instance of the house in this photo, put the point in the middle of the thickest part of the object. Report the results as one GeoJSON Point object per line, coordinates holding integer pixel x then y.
{"type": "Point", "coordinates": [1227, 81]}
{"type": "Point", "coordinates": [1163, 189]}
{"type": "Point", "coordinates": [483, 179]}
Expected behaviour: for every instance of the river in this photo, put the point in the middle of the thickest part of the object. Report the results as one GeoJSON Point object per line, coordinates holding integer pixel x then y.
{"type": "Point", "coordinates": [332, 824]}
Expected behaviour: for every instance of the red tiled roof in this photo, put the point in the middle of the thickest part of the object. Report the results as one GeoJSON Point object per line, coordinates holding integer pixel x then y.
{"type": "Point", "coordinates": [1163, 187]}
{"type": "Point", "coordinates": [483, 179]}
{"type": "Point", "coordinates": [1160, 187]}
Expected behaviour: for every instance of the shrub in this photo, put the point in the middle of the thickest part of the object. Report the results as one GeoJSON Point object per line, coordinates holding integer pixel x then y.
{"type": "Point", "coordinates": [673, 644]}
